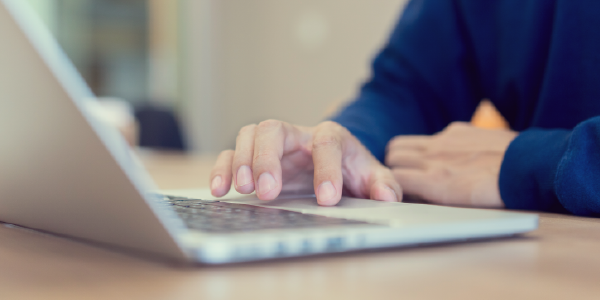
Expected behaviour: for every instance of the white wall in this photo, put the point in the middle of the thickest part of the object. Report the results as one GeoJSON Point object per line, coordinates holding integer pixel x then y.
{"type": "Point", "coordinates": [246, 61]}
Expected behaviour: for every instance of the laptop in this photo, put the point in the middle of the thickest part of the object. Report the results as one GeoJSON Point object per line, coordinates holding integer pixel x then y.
{"type": "Point", "coordinates": [64, 172]}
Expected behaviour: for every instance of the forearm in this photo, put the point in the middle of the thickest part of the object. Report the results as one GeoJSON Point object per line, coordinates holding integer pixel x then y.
{"type": "Point", "coordinates": [415, 88]}
{"type": "Point", "coordinates": [375, 119]}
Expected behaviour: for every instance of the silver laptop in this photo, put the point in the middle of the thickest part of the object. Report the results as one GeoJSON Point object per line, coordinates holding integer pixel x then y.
{"type": "Point", "coordinates": [63, 172]}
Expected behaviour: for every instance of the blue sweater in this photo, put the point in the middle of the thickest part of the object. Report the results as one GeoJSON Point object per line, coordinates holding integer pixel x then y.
{"type": "Point", "coordinates": [537, 61]}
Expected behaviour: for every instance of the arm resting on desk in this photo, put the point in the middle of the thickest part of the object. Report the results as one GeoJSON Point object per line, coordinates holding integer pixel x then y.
{"type": "Point", "coordinates": [554, 170]}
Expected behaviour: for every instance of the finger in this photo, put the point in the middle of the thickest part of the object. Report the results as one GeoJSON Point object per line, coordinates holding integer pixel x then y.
{"type": "Point", "coordinates": [384, 186]}
{"type": "Point", "coordinates": [242, 160]}
{"type": "Point", "coordinates": [220, 176]}
{"type": "Point", "coordinates": [405, 159]}
{"type": "Point", "coordinates": [408, 142]}
{"type": "Point", "coordinates": [268, 151]}
{"type": "Point", "coordinates": [458, 126]}
{"type": "Point", "coordinates": [327, 160]}
{"type": "Point", "coordinates": [415, 183]}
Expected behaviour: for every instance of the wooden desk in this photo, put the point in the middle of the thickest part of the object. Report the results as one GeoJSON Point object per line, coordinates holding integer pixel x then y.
{"type": "Point", "coordinates": [559, 261]}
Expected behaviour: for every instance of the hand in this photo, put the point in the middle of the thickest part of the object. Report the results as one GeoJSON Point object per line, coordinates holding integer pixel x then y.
{"type": "Point", "coordinates": [274, 156]}
{"type": "Point", "coordinates": [458, 166]}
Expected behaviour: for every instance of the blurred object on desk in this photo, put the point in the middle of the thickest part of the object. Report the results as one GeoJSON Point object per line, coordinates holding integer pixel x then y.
{"type": "Point", "coordinates": [159, 128]}
{"type": "Point", "coordinates": [127, 50]}
{"type": "Point", "coordinates": [487, 116]}
{"type": "Point", "coordinates": [117, 113]}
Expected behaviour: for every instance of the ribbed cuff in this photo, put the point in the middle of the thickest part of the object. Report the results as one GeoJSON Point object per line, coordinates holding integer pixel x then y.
{"type": "Point", "coordinates": [529, 169]}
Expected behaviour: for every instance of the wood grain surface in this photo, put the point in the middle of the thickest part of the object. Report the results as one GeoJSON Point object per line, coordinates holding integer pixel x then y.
{"type": "Point", "coordinates": [561, 260]}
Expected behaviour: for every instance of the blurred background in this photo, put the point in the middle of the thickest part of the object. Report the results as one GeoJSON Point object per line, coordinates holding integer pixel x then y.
{"type": "Point", "coordinates": [220, 65]}
{"type": "Point", "coordinates": [195, 71]}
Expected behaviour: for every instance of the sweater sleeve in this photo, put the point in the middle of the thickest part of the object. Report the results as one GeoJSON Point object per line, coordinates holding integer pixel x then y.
{"type": "Point", "coordinates": [415, 88]}
{"type": "Point", "coordinates": [554, 170]}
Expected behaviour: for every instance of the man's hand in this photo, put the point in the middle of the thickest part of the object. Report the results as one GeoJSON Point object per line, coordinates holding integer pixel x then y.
{"type": "Point", "coordinates": [274, 156]}
{"type": "Point", "coordinates": [458, 166]}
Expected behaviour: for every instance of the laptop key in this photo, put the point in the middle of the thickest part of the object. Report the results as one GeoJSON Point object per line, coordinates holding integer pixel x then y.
{"type": "Point", "coordinates": [224, 217]}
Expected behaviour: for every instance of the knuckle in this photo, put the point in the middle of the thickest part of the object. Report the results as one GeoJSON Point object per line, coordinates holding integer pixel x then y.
{"type": "Point", "coordinates": [326, 141]}
{"type": "Point", "coordinates": [331, 128]}
{"type": "Point", "coordinates": [458, 125]}
{"type": "Point", "coordinates": [442, 173]}
{"type": "Point", "coordinates": [270, 124]}
{"type": "Point", "coordinates": [226, 154]}
{"type": "Point", "coordinates": [264, 155]}
{"type": "Point", "coordinates": [329, 124]}
{"type": "Point", "coordinates": [247, 129]}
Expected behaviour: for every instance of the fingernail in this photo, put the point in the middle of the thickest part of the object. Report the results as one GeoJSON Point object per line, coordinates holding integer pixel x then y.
{"type": "Point", "coordinates": [387, 194]}
{"type": "Point", "coordinates": [244, 176]}
{"type": "Point", "coordinates": [266, 183]}
{"type": "Point", "coordinates": [326, 192]}
{"type": "Point", "coordinates": [216, 183]}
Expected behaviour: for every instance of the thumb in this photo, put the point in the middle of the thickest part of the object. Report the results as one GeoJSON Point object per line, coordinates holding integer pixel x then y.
{"type": "Point", "coordinates": [383, 185]}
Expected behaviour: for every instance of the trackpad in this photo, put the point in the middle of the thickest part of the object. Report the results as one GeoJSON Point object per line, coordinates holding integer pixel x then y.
{"type": "Point", "coordinates": [309, 202]}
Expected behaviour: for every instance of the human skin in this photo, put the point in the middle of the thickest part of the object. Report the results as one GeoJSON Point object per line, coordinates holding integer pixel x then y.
{"type": "Point", "coordinates": [274, 156]}
{"type": "Point", "coordinates": [458, 166]}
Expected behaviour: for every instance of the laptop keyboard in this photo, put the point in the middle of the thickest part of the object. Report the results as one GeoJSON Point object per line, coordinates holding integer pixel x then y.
{"type": "Point", "coordinates": [224, 217]}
